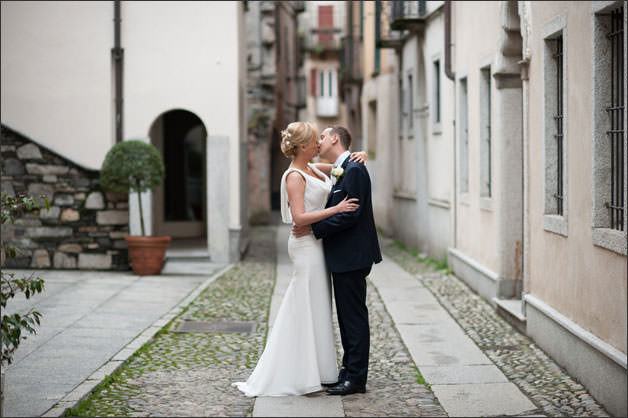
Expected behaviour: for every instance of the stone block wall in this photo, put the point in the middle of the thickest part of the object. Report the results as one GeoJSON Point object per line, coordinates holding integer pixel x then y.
{"type": "Point", "coordinates": [84, 228]}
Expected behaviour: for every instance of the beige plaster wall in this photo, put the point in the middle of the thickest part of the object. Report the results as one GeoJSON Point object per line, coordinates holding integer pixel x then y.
{"type": "Point", "coordinates": [584, 282]}
{"type": "Point", "coordinates": [476, 46]}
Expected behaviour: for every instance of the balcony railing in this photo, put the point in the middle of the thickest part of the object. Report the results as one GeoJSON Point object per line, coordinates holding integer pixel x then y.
{"type": "Point", "coordinates": [315, 43]}
{"type": "Point", "coordinates": [385, 36]}
{"type": "Point", "coordinates": [407, 14]}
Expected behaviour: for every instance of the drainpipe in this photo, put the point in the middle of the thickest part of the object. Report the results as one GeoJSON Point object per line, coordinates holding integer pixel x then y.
{"type": "Point", "coordinates": [259, 40]}
{"type": "Point", "coordinates": [117, 54]}
{"type": "Point", "coordinates": [452, 76]}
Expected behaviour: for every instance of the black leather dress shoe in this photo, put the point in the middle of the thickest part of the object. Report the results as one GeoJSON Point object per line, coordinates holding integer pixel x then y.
{"type": "Point", "coordinates": [346, 388]}
{"type": "Point", "coordinates": [342, 376]}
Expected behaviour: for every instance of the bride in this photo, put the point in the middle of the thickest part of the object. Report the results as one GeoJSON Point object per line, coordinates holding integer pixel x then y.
{"type": "Point", "coordinates": [300, 354]}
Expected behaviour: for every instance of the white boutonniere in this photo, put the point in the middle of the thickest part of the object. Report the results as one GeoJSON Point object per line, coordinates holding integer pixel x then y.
{"type": "Point", "coordinates": [337, 172]}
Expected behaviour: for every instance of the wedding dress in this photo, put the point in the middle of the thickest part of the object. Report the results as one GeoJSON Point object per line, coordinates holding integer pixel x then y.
{"type": "Point", "coordinates": [300, 352]}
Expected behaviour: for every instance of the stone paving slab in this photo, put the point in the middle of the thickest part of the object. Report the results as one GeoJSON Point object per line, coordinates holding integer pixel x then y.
{"type": "Point", "coordinates": [455, 375]}
{"type": "Point", "coordinates": [315, 405]}
{"type": "Point", "coordinates": [87, 318]}
{"type": "Point", "coordinates": [482, 400]}
{"type": "Point", "coordinates": [434, 339]}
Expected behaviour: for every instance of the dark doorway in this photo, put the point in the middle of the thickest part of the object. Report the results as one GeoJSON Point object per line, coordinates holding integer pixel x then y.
{"type": "Point", "coordinates": [180, 202]}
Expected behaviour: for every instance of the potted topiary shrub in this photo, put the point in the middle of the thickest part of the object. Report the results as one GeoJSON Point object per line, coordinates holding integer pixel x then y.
{"type": "Point", "coordinates": [135, 166]}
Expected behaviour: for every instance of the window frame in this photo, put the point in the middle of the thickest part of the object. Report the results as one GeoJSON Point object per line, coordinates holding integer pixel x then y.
{"type": "Point", "coordinates": [602, 234]}
{"type": "Point", "coordinates": [553, 221]}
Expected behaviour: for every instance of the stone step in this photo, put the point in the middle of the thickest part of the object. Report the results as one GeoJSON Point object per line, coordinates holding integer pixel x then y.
{"type": "Point", "coordinates": [511, 310]}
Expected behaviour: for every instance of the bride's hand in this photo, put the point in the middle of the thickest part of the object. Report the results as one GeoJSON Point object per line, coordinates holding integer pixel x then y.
{"type": "Point", "coordinates": [347, 205]}
{"type": "Point", "coordinates": [360, 157]}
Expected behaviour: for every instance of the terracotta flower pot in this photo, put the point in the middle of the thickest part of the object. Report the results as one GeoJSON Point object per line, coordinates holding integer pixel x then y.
{"type": "Point", "coordinates": [147, 254]}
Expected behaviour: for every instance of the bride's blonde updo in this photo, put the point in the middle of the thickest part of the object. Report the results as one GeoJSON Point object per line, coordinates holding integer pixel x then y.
{"type": "Point", "coordinates": [295, 135]}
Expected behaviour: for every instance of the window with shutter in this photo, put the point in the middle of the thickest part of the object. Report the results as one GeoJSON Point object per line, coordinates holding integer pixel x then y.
{"type": "Point", "coordinates": [326, 25]}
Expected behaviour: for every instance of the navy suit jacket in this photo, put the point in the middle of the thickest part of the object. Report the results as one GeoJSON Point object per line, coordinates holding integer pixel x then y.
{"type": "Point", "coordinates": [350, 238]}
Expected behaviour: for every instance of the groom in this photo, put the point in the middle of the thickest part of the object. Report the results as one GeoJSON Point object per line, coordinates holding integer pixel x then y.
{"type": "Point", "coordinates": [351, 247]}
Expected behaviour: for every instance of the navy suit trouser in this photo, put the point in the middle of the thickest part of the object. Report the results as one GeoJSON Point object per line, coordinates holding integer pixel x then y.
{"type": "Point", "coordinates": [353, 321]}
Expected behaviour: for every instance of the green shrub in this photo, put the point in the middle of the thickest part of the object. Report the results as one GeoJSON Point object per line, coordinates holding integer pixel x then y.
{"type": "Point", "coordinates": [132, 166]}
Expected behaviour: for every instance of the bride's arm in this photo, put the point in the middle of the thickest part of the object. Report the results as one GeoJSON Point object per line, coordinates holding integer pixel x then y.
{"type": "Point", "coordinates": [360, 156]}
{"type": "Point", "coordinates": [325, 168]}
{"type": "Point", "coordinates": [295, 186]}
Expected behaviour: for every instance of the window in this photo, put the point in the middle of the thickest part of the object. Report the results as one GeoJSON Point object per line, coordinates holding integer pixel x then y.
{"type": "Point", "coordinates": [609, 152]}
{"type": "Point", "coordinates": [485, 132]}
{"type": "Point", "coordinates": [410, 104]}
{"type": "Point", "coordinates": [616, 110]}
{"type": "Point", "coordinates": [437, 91]}
{"type": "Point", "coordinates": [326, 25]}
{"type": "Point", "coordinates": [555, 178]}
{"type": "Point", "coordinates": [327, 100]}
{"type": "Point", "coordinates": [464, 136]}
{"type": "Point", "coordinates": [558, 120]}
{"type": "Point", "coordinates": [372, 128]}
{"type": "Point", "coordinates": [401, 108]}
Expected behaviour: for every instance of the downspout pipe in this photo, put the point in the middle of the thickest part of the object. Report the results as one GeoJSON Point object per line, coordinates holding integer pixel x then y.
{"type": "Point", "coordinates": [452, 76]}
{"type": "Point", "coordinates": [117, 54]}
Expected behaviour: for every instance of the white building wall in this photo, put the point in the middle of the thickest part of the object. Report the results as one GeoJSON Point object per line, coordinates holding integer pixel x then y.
{"type": "Point", "coordinates": [57, 84]}
{"type": "Point", "coordinates": [56, 75]}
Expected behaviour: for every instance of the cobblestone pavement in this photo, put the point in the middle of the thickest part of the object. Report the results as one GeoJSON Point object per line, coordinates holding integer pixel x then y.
{"type": "Point", "coordinates": [548, 386]}
{"type": "Point", "coordinates": [190, 374]}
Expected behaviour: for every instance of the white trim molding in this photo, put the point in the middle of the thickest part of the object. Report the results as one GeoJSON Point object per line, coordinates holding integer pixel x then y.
{"type": "Point", "coordinates": [599, 366]}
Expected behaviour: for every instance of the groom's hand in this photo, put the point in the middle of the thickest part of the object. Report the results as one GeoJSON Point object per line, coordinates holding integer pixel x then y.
{"type": "Point", "coordinates": [300, 231]}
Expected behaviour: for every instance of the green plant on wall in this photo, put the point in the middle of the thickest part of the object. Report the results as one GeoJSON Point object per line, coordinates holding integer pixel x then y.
{"type": "Point", "coordinates": [132, 166]}
{"type": "Point", "coordinates": [13, 325]}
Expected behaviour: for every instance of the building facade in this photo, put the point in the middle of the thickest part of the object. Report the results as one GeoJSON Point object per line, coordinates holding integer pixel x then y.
{"type": "Point", "coordinates": [575, 190]}
{"type": "Point", "coordinates": [322, 27]}
{"type": "Point", "coordinates": [276, 96]}
{"type": "Point", "coordinates": [504, 145]}
{"type": "Point", "coordinates": [78, 77]}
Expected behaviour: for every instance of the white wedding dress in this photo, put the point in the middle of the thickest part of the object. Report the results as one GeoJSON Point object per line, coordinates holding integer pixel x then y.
{"type": "Point", "coordinates": [300, 352]}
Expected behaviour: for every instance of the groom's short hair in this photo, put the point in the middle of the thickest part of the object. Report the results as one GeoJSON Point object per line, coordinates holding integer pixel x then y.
{"type": "Point", "coordinates": [343, 134]}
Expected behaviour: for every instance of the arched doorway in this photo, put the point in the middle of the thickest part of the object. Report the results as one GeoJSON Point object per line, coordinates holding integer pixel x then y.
{"type": "Point", "coordinates": [180, 201]}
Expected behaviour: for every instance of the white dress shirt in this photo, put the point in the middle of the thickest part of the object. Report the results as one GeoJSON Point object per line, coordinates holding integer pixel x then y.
{"type": "Point", "coordinates": [341, 158]}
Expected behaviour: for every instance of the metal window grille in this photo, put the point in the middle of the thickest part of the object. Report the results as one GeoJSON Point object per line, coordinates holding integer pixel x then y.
{"type": "Point", "coordinates": [616, 117]}
{"type": "Point", "coordinates": [558, 118]}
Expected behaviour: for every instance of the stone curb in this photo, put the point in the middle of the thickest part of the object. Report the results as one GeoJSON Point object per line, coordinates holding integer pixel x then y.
{"type": "Point", "coordinates": [83, 390]}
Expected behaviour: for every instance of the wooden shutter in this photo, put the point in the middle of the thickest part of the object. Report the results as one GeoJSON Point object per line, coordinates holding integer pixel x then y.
{"type": "Point", "coordinates": [326, 25]}
{"type": "Point", "coordinates": [313, 81]}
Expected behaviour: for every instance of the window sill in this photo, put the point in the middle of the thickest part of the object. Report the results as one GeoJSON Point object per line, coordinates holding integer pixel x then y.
{"type": "Point", "coordinates": [556, 224]}
{"type": "Point", "coordinates": [438, 203]}
{"type": "Point", "coordinates": [611, 239]}
{"type": "Point", "coordinates": [404, 195]}
{"type": "Point", "coordinates": [437, 128]}
{"type": "Point", "coordinates": [465, 198]}
{"type": "Point", "coordinates": [486, 203]}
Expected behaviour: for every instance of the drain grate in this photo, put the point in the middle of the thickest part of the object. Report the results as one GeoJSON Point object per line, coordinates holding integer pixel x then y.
{"type": "Point", "coordinates": [215, 327]}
